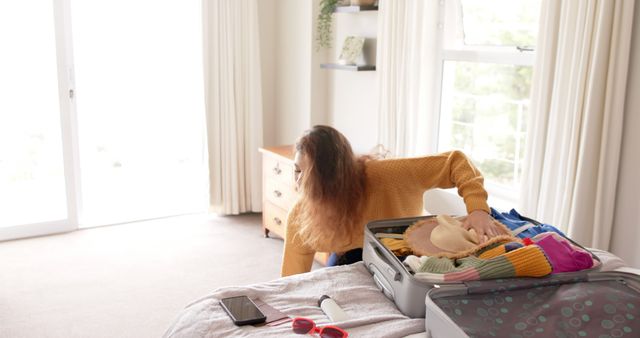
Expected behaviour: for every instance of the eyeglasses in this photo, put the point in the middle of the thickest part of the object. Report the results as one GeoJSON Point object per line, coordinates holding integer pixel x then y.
{"type": "Point", "coordinates": [304, 326]}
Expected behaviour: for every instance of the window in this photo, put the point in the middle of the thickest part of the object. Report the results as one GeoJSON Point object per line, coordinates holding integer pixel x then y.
{"type": "Point", "coordinates": [487, 60]}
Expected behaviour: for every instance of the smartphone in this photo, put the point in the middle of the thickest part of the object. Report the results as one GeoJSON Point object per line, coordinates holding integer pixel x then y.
{"type": "Point", "coordinates": [242, 310]}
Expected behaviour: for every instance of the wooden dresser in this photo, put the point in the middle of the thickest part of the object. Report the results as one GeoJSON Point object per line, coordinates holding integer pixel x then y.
{"type": "Point", "coordinates": [278, 191]}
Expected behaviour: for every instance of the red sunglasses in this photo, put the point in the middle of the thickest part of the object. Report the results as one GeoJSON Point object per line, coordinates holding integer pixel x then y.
{"type": "Point", "coordinates": [304, 326]}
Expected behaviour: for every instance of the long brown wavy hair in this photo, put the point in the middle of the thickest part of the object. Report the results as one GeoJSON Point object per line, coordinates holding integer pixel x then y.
{"type": "Point", "coordinates": [332, 187]}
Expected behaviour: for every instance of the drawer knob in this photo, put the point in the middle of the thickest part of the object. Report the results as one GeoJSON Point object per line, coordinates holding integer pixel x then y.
{"type": "Point", "coordinates": [277, 170]}
{"type": "Point", "coordinates": [277, 220]}
{"type": "Point", "coordinates": [277, 193]}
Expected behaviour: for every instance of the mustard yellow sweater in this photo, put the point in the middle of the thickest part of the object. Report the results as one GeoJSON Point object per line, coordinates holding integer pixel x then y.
{"type": "Point", "coordinates": [395, 188]}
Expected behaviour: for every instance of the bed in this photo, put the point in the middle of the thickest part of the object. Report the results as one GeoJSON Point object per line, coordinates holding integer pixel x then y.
{"type": "Point", "coordinates": [370, 313]}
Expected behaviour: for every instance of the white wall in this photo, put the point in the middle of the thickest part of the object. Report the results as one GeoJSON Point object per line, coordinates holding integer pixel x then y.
{"type": "Point", "coordinates": [294, 87]}
{"type": "Point", "coordinates": [286, 48]}
{"type": "Point", "coordinates": [297, 93]}
{"type": "Point", "coordinates": [625, 241]}
{"type": "Point", "coordinates": [320, 98]}
{"type": "Point", "coordinates": [354, 95]}
{"type": "Point", "coordinates": [293, 74]}
{"type": "Point", "coordinates": [267, 24]}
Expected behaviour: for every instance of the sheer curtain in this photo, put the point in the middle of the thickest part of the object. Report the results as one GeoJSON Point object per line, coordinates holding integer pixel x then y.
{"type": "Point", "coordinates": [406, 65]}
{"type": "Point", "coordinates": [577, 108]}
{"type": "Point", "coordinates": [233, 104]}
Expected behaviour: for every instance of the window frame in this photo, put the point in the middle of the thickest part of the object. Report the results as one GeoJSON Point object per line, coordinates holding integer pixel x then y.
{"type": "Point", "coordinates": [451, 48]}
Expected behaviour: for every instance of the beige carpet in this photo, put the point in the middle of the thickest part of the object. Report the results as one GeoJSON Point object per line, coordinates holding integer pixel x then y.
{"type": "Point", "coordinates": [127, 280]}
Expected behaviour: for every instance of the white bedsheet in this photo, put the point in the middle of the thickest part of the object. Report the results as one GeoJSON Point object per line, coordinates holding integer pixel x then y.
{"type": "Point", "coordinates": [371, 313]}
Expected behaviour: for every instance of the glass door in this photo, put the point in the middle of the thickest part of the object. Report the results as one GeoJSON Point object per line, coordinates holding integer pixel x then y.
{"type": "Point", "coordinates": [139, 75]}
{"type": "Point", "coordinates": [37, 186]}
{"type": "Point", "coordinates": [116, 103]}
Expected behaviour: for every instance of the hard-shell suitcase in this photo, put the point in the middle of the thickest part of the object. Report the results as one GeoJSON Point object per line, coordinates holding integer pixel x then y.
{"type": "Point", "coordinates": [394, 279]}
{"type": "Point", "coordinates": [596, 304]}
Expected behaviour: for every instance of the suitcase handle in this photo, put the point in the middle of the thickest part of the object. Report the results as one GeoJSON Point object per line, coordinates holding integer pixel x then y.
{"type": "Point", "coordinates": [390, 269]}
{"type": "Point", "coordinates": [382, 284]}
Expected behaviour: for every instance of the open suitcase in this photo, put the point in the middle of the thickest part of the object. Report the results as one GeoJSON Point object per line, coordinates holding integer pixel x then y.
{"type": "Point", "coordinates": [391, 276]}
{"type": "Point", "coordinates": [398, 283]}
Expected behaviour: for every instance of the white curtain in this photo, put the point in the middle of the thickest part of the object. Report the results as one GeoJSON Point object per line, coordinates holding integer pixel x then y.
{"type": "Point", "coordinates": [407, 66]}
{"type": "Point", "coordinates": [234, 104]}
{"type": "Point", "coordinates": [577, 107]}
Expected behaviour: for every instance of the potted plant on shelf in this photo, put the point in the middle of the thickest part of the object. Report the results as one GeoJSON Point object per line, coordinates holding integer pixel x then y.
{"type": "Point", "coordinates": [323, 25]}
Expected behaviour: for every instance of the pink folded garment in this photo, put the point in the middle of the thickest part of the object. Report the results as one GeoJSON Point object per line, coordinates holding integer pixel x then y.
{"type": "Point", "coordinates": [563, 256]}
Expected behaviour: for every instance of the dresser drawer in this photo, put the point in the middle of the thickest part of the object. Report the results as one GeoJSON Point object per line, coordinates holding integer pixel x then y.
{"type": "Point", "coordinates": [278, 191]}
{"type": "Point", "coordinates": [280, 194]}
{"type": "Point", "coordinates": [279, 170]}
{"type": "Point", "coordinates": [274, 218]}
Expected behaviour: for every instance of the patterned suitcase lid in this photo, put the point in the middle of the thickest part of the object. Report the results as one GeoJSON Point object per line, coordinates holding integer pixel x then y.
{"type": "Point", "coordinates": [598, 304]}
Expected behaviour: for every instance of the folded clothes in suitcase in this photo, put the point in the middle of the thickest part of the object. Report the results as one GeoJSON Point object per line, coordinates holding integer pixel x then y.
{"type": "Point", "coordinates": [596, 304]}
{"type": "Point", "coordinates": [409, 292]}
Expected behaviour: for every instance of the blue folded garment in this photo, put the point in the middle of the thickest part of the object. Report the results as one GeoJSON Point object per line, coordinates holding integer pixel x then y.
{"type": "Point", "coordinates": [521, 227]}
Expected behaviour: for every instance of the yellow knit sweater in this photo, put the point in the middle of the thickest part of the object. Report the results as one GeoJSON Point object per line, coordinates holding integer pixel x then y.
{"type": "Point", "coordinates": [395, 188]}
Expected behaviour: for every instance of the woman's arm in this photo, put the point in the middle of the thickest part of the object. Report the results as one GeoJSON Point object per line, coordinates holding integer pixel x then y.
{"type": "Point", "coordinates": [470, 183]}
{"type": "Point", "coordinates": [297, 258]}
{"type": "Point", "coordinates": [454, 169]}
{"type": "Point", "coordinates": [444, 170]}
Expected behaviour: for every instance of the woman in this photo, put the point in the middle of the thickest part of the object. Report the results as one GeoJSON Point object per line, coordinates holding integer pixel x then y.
{"type": "Point", "coordinates": [341, 193]}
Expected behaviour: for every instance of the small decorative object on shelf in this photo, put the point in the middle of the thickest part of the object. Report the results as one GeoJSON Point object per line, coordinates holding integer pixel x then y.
{"type": "Point", "coordinates": [351, 50]}
{"type": "Point", "coordinates": [349, 56]}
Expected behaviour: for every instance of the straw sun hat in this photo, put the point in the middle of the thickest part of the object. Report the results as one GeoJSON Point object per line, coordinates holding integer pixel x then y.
{"type": "Point", "coordinates": [444, 236]}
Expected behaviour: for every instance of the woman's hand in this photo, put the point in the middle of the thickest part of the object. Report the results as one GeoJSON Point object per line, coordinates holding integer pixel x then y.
{"type": "Point", "coordinates": [482, 224]}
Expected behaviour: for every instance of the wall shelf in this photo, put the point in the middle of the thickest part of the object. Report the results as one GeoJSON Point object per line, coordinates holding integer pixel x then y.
{"type": "Point", "coordinates": [355, 68]}
{"type": "Point", "coordinates": [353, 9]}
